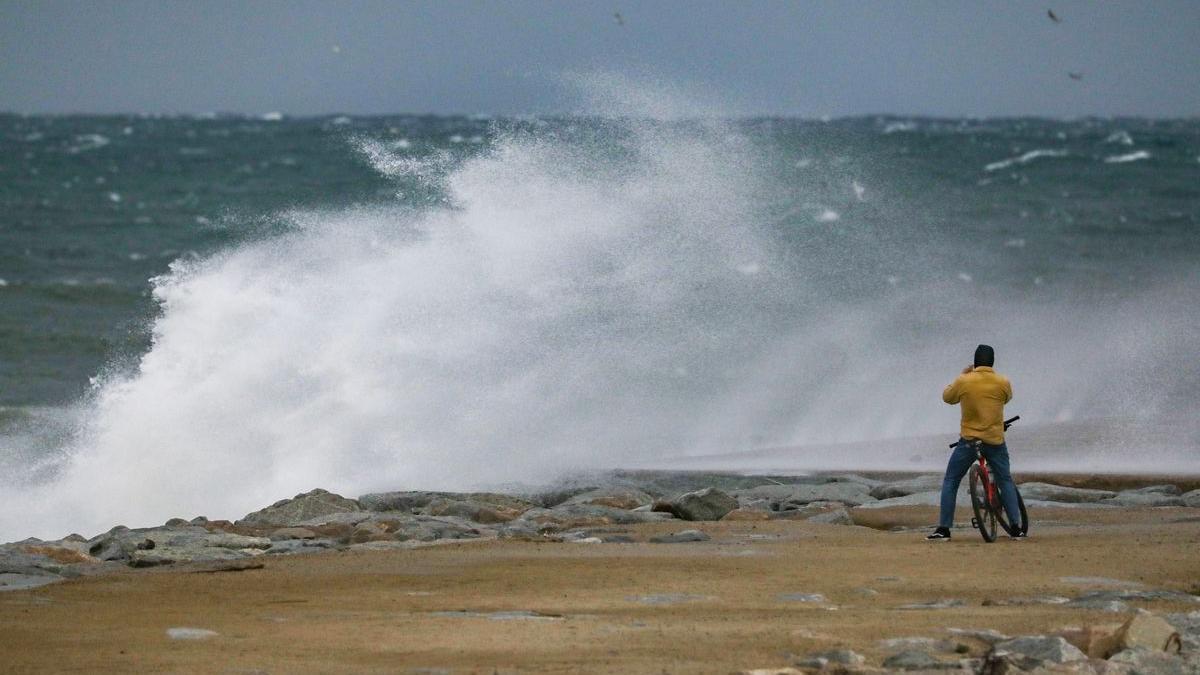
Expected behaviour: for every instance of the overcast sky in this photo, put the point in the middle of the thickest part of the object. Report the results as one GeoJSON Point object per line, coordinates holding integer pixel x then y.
{"type": "Point", "coordinates": [775, 57]}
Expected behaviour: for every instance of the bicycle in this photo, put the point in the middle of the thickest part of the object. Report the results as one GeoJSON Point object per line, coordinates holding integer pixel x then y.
{"type": "Point", "coordinates": [986, 501]}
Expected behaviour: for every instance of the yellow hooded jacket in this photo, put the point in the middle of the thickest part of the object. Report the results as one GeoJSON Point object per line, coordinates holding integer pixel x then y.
{"type": "Point", "coordinates": [982, 393]}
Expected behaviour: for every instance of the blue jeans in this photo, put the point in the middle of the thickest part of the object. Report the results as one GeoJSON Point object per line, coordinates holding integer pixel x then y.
{"type": "Point", "coordinates": [960, 462]}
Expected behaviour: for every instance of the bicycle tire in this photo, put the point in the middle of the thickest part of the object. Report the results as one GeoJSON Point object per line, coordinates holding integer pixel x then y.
{"type": "Point", "coordinates": [1002, 515]}
{"type": "Point", "coordinates": [985, 516]}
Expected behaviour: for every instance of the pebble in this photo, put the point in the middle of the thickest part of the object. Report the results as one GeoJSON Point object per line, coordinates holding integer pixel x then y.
{"type": "Point", "coordinates": [190, 633]}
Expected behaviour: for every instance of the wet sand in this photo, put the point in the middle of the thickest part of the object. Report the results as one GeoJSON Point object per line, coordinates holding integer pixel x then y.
{"type": "Point", "coordinates": [716, 606]}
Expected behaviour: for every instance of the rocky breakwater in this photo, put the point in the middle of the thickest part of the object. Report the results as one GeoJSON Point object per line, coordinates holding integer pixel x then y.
{"type": "Point", "coordinates": [599, 509]}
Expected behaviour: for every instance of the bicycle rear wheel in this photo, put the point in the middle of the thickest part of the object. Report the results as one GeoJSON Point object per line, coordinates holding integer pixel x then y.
{"type": "Point", "coordinates": [985, 516]}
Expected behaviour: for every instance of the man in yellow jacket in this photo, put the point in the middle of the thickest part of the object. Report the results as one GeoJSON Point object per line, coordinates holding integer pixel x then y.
{"type": "Point", "coordinates": [981, 392]}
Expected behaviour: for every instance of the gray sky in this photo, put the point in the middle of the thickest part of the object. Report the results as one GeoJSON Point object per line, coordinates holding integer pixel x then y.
{"type": "Point", "coordinates": [799, 58]}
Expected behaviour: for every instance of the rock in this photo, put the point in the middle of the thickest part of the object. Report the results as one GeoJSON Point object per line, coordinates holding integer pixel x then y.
{"type": "Point", "coordinates": [803, 597]}
{"type": "Point", "coordinates": [294, 546]}
{"type": "Point", "coordinates": [190, 633]}
{"type": "Point", "coordinates": [284, 533]}
{"type": "Point", "coordinates": [471, 510]}
{"type": "Point", "coordinates": [1141, 661]}
{"type": "Point", "coordinates": [838, 516]}
{"type": "Point", "coordinates": [903, 488]}
{"type": "Point", "coordinates": [1127, 595]}
{"type": "Point", "coordinates": [912, 659]}
{"type": "Point", "coordinates": [1057, 493]}
{"type": "Point", "coordinates": [943, 603]}
{"type": "Point", "coordinates": [1028, 600]}
{"type": "Point", "coordinates": [1030, 652]}
{"type": "Point", "coordinates": [176, 522]}
{"type": "Point", "coordinates": [987, 636]}
{"type": "Point", "coordinates": [684, 536]}
{"type": "Point", "coordinates": [163, 546]}
{"type": "Point", "coordinates": [1142, 631]}
{"type": "Point", "coordinates": [1138, 498]}
{"type": "Point", "coordinates": [419, 501]}
{"type": "Point", "coordinates": [568, 516]}
{"type": "Point", "coordinates": [850, 494]}
{"type": "Point", "coordinates": [747, 514]}
{"type": "Point", "coordinates": [923, 644]}
{"type": "Point", "coordinates": [1188, 626]}
{"type": "Point", "coordinates": [667, 598]}
{"type": "Point", "coordinates": [1170, 490]}
{"type": "Point", "coordinates": [1191, 499]}
{"type": "Point", "coordinates": [1099, 605]}
{"type": "Point", "coordinates": [614, 497]}
{"type": "Point", "coordinates": [302, 507]}
{"type": "Point", "coordinates": [706, 504]}
{"type": "Point", "coordinates": [13, 581]}
{"type": "Point", "coordinates": [855, 478]}
{"type": "Point", "coordinates": [963, 499]}
{"type": "Point", "coordinates": [833, 659]}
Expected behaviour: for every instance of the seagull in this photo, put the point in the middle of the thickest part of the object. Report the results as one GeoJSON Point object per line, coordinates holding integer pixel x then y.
{"type": "Point", "coordinates": [619, 18]}
{"type": "Point", "coordinates": [1075, 76]}
{"type": "Point", "coordinates": [1053, 17]}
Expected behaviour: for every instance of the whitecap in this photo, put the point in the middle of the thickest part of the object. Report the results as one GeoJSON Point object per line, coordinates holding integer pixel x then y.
{"type": "Point", "coordinates": [963, 276]}
{"type": "Point", "coordinates": [456, 138]}
{"type": "Point", "coordinates": [340, 120]}
{"type": "Point", "coordinates": [804, 162]}
{"type": "Point", "coordinates": [828, 216]}
{"type": "Point", "coordinates": [34, 137]}
{"type": "Point", "coordinates": [1131, 157]}
{"type": "Point", "coordinates": [3, 283]}
{"type": "Point", "coordinates": [1120, 138]}
{"type": "Point", "coordinates": [1024, 159]}
{"type": "Point", "coordinates": [402, 144]}
{"type": "Point", "coordinates": [272, 117]}
{"type": "Point", "coordinates": [114, 197]}
{"type": "Point", "coordinates": [749, 269]}
{"type": "Point", "coordinates": [1017, 242]}
{"type": "Point", "coordinates": [897, 127]}
{"type": "Point", "coordinates": [86, 142]}
{"type": "Point", "coordinates": [859, 191]}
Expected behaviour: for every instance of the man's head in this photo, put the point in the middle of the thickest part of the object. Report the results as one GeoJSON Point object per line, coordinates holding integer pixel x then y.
{"type": "Point", "coordinates": [984, 356]}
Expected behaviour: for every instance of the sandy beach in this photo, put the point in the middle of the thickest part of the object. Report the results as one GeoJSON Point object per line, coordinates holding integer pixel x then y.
{"type": "Point", "coordinates": [758, 594]}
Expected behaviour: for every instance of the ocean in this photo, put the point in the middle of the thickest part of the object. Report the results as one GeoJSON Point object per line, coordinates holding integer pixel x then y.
{"type": "Point", "coordinates": [207, 314]}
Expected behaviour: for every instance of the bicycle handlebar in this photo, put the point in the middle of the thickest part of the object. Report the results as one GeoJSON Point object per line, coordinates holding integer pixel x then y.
{"type": "Point", "coordinates": [1007, 423]}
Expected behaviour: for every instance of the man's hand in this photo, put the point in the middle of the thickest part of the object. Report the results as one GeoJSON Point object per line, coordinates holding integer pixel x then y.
{"type": "Point", "coordinates": [968, 369]}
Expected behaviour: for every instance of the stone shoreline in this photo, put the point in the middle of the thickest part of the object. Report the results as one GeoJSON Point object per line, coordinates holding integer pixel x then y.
{"type": "Point", "coordinates": [671, 509]}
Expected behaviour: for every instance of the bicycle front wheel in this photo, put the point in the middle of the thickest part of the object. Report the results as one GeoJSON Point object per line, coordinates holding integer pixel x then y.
{"type": "Point", "coordinates": [1023, 526]}
{"type": "Point", "coordinates": [985, 517]}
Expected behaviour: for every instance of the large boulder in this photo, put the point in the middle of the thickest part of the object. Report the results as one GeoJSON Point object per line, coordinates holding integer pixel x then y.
{"type": "Point", "coordinates": [1169, 490]}
{"type": "Point", "coordinates": [1191, 499]}
{"type": "Point", "coordinates": [302, 507]}
{"type": "Point", "coordinates": [1140, 498]}
{"type": "Point", "coordinates": [1142, 631]}
{"type": "Point", "coordinates": [615, 497]}
{"type": "Point", "coordinates": [1031, 652]}
{"type": "Point", "coordinates": [850, 494]}
{"type": "Point", "coordinates": [707, 504]}
{"type": "Point", "coordinates": [1057, 493]}
{"type": "Point", "coordinates": [472, 510]}
{"type": "Point", "coordinates": [166, 545]}
{"type": "Point", "coordinates": [903, 488]}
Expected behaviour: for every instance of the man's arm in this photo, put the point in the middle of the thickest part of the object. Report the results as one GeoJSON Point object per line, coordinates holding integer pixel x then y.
{"type": "Point", "coordinates": [1007, 391]}
{"type": "Point", "coordinates": [953, 393]}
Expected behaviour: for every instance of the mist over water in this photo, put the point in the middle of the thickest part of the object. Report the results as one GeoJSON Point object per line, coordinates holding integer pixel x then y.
{"type": "Point", "coordinates": [590, 294]}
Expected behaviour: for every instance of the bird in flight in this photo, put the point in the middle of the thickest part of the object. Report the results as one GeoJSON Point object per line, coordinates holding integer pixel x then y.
{"type": "Point", "coordinates": [620, 19]}
{"type": "Point", "coordinates": [1075, 76]}
{"type": "Point", "coordinates": [1053, 17]}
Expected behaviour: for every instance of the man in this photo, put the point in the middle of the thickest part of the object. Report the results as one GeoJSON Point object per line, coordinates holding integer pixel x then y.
{"type": "Point", "coordinates": [982, 393]}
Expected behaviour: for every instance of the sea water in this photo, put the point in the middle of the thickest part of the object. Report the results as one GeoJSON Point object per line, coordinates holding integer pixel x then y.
{"type": "Point", "coordinates": [202, 315]}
